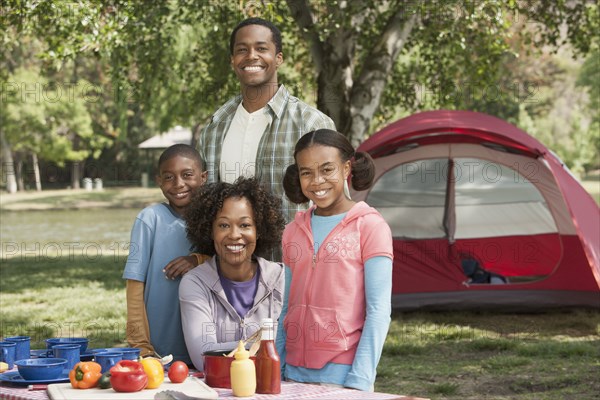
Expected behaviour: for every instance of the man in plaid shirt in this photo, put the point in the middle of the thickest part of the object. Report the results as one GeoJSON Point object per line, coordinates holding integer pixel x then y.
{"type": "Point", "coordinates": [254, 133]}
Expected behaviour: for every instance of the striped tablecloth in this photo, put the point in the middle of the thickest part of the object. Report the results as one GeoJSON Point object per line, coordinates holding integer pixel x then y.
{"type": "Point", "coordinates": [288, 391]}
{"type": "Point", "coordinates": [21, 393]}
{"type": "Point", "coordinates": [305, 391]}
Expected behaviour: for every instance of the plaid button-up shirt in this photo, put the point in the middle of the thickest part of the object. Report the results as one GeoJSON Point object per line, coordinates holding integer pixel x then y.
{"type": "Point", "coordinates": [289, 119]}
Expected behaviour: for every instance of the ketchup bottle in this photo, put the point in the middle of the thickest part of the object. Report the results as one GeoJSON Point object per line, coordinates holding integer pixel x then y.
{"type": "Point", "coordinates": [268, 366]}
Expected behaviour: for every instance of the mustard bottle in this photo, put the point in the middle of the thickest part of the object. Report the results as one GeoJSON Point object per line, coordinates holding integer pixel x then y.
{"type": "Point", "coordinates": [242, 373]}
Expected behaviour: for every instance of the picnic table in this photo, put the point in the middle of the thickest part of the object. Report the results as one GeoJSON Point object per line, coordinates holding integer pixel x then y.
{"type": "Point", "coordinates": [289, 390]}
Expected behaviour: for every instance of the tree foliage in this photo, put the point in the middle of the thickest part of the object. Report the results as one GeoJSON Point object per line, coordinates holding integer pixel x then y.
{"type": "Point", "coordinates": [364, 62]}
{"type": "Point", "coordinates": [589, 78]}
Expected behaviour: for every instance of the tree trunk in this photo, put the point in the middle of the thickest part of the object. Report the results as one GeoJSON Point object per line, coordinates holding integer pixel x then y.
{"type": "Point", "coordinates": [75, 175]}
{"type": "Point", "coordinates": [8, 166]}
{"type": "Point", "coordinates": [19, 173]}
{"type": "Point", "coordinates": [36, 172]}
{"type": "Point", "coordinates": [335, 79]}
{"type": "Point", "coordinates": [369, 87]}
{"type": "Point", "coordinates": [350, 102]}
{"type": "Point", "coordinates": [332, 61]}
{"type": "Point", "coordinates": [196, 130]}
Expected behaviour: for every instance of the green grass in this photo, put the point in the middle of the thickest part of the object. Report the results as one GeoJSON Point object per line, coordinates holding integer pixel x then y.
{"type": "Point", "coordinates": [450, 355]}
{"type": "Point", "coordinates": [445, 389]}
{"type": "Point", "coordinates": [43, 298]}
{"type": "Point", "coordinates": [493, 355]}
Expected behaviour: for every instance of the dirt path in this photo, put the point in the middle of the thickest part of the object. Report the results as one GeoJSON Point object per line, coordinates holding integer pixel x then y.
{"type": "Point", "coordinates": [75, 199]}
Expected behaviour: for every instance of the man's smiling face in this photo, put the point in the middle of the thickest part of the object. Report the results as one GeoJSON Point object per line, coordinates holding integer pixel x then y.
{"type": "Point", "coordinates": [255, 59]}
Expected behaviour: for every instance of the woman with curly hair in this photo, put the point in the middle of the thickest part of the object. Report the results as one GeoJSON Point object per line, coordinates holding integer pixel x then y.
{"type": "Point", "coordinates": [224, 299]}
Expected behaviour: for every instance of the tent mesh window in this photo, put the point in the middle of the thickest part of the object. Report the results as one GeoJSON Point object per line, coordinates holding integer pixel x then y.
{"type": "Point", "coordinates": [481, 207]}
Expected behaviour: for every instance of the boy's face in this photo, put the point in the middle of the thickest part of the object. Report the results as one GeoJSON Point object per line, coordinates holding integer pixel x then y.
{"type": "Point", "coordinates": [177, 178]}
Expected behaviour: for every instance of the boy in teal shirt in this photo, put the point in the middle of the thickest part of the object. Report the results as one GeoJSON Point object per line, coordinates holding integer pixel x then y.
{"type": "Point", "coordinates": [158, 257]}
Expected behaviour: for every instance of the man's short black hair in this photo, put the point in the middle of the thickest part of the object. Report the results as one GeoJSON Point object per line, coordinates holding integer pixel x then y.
{"type": "Point", "coordinates": [183, 150]}
{"type": "Point", "coordinates": [275, 32]}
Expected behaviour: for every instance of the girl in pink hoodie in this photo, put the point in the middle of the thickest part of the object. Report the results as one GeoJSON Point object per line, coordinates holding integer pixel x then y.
{"type": "Point", "coordinates": [338, 266]}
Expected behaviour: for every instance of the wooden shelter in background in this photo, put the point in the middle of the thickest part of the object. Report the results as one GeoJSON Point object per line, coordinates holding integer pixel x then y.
{"type": "Point", "coordinates": [154, 146]}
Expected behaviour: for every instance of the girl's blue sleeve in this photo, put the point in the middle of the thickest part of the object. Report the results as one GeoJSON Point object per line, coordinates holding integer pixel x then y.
{"type": "Point", "coordinates": [378, 294]}
{"type": "Point", "coordinates": [280, 339]}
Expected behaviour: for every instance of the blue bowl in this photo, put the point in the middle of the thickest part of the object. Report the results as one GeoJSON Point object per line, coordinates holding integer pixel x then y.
{"type": "Point", "coordinates": [83, 342]}
{"type": "Point", "coordinates": [105, 349]}
{"type": "Point", "coordinates": [129, 353]}
{"type": "Point", "coordinates": [40, 369]}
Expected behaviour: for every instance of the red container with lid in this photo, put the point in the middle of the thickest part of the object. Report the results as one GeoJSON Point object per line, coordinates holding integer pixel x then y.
{"type": "Point", "coordinates": [216, 369]}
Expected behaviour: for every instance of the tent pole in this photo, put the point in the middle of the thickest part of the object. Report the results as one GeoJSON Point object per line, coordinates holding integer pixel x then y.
{"type": "Point", "coordinates": [450, 204]}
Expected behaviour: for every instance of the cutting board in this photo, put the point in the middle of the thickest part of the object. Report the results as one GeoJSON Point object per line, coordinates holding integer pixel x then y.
{"type": "Point", "coordinates": [191, 386]}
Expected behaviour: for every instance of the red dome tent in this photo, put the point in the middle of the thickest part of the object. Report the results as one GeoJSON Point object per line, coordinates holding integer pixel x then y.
{"type": "Point", "coordinates": [461, 188]}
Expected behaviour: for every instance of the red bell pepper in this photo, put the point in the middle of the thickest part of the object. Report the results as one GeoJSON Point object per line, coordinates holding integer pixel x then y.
{"type": "Point", "coordinates": [128, 376]}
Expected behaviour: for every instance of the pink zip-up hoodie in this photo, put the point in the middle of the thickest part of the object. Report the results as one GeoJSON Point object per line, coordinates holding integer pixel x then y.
{"type": "Point", "coordinates": [326, 304]}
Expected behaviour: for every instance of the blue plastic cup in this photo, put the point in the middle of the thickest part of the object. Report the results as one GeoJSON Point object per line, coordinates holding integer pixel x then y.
{"type": "Point", "coordinates": [7, 353]}
{"type": "Point", "coordinates": [107, 359]}
{"type": "Point", "coordinates": [22, 350]}
{"type": "Point", "coordinates": [69, 352]}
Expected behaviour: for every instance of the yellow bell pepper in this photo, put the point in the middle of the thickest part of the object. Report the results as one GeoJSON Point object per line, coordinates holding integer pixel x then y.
{"type": "Point", "coordinates": [155, 371]}
{"type": "Point", "coordinates": [3, 366]}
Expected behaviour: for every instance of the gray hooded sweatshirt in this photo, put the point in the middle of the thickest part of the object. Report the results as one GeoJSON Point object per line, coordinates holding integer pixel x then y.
{"type": "Point", "coordinates": [209, 321]}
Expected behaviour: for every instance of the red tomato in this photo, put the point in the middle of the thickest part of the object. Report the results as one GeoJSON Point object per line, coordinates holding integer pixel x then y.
{"type": "Point", "coordinates": [178, 371]}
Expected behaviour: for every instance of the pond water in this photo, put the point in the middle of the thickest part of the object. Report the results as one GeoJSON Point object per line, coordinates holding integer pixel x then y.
{"type": "Point", "coordinates": [88, 232]}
